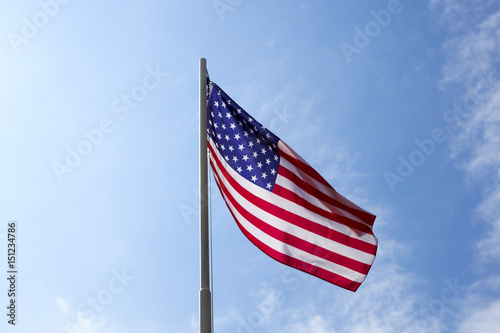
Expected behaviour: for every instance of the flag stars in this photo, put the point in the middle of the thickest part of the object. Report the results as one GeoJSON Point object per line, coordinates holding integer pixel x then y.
{"type": "Point", "coordinates": [248, 147]}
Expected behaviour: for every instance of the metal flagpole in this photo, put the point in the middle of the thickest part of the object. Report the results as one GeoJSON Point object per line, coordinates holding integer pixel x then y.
{"type": "Point", "coordinates": [205, 293]}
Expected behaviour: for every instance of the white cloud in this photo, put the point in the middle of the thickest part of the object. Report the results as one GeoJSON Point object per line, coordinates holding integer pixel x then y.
{"type": "Point", "coordinates": [476, 148]}
{"type": "Point", "coordinates": [62, 304]}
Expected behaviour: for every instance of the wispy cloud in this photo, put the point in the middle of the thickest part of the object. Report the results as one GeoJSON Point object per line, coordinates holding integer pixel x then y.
{"type": "Point", "coordinates": [476, 148]}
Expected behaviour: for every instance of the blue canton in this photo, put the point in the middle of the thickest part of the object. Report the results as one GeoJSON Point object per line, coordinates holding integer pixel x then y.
{"type": "Point", "coordinates": [247, 146]}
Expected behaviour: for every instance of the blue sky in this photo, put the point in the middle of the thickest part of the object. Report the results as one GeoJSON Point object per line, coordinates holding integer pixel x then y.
{"type": "Point", "coordinates": [395, 103]}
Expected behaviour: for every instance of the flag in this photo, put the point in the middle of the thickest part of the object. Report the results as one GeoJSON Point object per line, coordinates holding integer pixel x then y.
{"type": "Point", "coordinates": [281, 204]}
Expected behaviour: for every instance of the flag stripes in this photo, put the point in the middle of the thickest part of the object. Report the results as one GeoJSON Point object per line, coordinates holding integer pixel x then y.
{"type": "Point", "coordinates": [297, 236]}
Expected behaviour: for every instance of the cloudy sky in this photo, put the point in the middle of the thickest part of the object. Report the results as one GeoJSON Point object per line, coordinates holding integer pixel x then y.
{"type": "Point", "coordinates": [394, 102]}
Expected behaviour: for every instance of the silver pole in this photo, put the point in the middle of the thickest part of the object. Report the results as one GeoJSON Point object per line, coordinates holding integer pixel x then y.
{"type": "Point", "coordinates": [205, 293]}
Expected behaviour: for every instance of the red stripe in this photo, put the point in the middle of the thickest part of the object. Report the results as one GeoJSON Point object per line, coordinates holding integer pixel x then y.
{"type": "Point", "coordinates": [299, 264]}
{"type": "Point", "coordinates": [296, 263]}
{"type": "Point", "coordinates": [292, 240]}
{"type": "Point", "coordinates": [296, 219]}
{"type": "Point", "coordinates": [360, 213]}
{"type": "Point", "coordinates": [292, 196]}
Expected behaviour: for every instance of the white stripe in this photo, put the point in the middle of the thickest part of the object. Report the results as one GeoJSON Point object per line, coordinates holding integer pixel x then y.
{"type": "Point", "coordinates": [308, 179]}
{"type": "Point", "coordinates": [293, 207]}
{"type": "Point", "coordinates": [287, 249]}
{"type": "Point", "coordinates": [287, 227]}
{"type": "Point", "coordinates": [313, 200]}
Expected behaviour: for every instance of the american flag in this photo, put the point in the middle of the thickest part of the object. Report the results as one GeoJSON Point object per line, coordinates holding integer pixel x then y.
{"type": "Point", "coordinates": [281, 204]}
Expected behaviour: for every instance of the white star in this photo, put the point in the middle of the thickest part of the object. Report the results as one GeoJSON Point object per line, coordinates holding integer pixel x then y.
{"type": "Point", "coordinates": [223, 104]}
{"type": "Point", "coordinates": [220, 115]}
{"type": "Point", "coordinates": [275, 157]}
{"type": "Point", "coordinates": [245, 158]}
{"type": "Point", "coordinates": [235, 158]}
{"type": "Point", "coordinates": [233, 126]}
{"type": "Point", "coordinates": [259, 165]}
{"type": "Point", "coordinates": [263, 127]}
{"type": "Point", "coordinates": [216, 104]}
{"type": "Point", "coordinates": [231, 148]}
{"type": "Point", "coordinates": [250, 144]}
{"type": "Point", "coordinates": [255, 154]}
{"type": "Point", "coordinates": [226, 137]}
{"type": "Point", "coordinates": [219, 136]}
{"type": "Point", "coordinates": [250, 120]}
{"type": "Point", "coordinates": [268, 185]}
{"type": "Point", "coordinates": [226, 157]}
{"type": "Point", "coordinates": [216, 126]}
{"type": "Point", "coordinates": [212, 113]}
{"type": "Point", "coordinates": [239, 169]}
{"type": "Point", "coordinates": [263, 150]}
{"type": "Point", "coordinates": [229, 102]}
{"type": "Point", "coordinates": [241, 147]}
{"type": "Point", "coordinates": [254, 178]}
{"type": "Point", "coordinates": [249, 167]}
{"type": "Point", "coordinates": [258, 140]}
{"type": "Point", "coordinates": [222, 147]}
{"type": "Point", "coordinates": [264, 175]}
{"type": "Point", "coordinates": [237, 136]}
{"type": "Point", "coordinates": [268, 161]}
{"type": "Point", "coordinates": [268, 135]}
{"type": "Point", "coordinates": [246, 133]}
{"type": "Point", "coordinates": [223, 126]}
{"type": "Point", "coordinates": [239, 111]}
{"type": "Point", "coordinates": [228, 115]}
{"type": "Point", "coordinates": [273, 172]}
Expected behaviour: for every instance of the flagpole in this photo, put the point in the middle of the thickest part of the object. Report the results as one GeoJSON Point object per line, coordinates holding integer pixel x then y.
{"type": "Point", "coordinates": [205, 293]}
